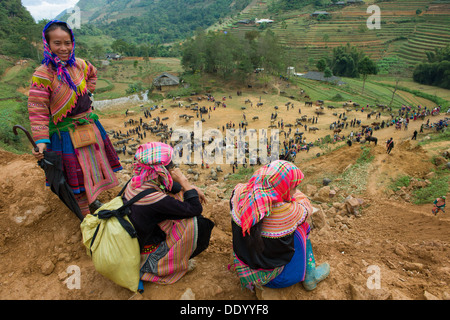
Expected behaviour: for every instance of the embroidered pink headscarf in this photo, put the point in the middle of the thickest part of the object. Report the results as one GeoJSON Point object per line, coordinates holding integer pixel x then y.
{"type": "Point", "coordinates": [271, 183]}
{"type": "Point", "coordinates": [151, 160]}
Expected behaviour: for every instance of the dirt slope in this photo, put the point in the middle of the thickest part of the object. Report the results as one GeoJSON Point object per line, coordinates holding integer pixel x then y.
{"type": "Point", "coordinates": [40, 239]}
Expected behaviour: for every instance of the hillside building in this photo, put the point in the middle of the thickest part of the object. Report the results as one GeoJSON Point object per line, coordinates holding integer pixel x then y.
{"type": "Point", "coordinates": [166, 81]}
{"type": "Point", "coordinates": [263, 21]}
{"type": "Point", "coordinates": [245, 21]}
{"type": "Point", "coordinates": [113, 56]}
{"type": "Point", "coordinates": [318, 13]}
{"type": "Point", "coordinates": [355, 2]}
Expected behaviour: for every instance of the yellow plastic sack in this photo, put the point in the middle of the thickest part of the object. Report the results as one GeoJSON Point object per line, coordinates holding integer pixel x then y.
{"type": "Point", "coordinates": [115, 254]}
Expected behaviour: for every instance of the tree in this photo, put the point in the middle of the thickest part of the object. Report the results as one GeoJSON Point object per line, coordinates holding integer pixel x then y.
{"type": "Point", "coordinates": [120, 46]}
{"type": "Point", "coordinates": [327, 73]}
{"type": "Point", "coordinates": [435, 72]}
{"type": "Point", "coordinates": [227, 54]}
{"type": "Point", "coordinates": [365, 67]}
{"type": "Point", "coordinates": [345, 61]}
{"type": "Point", "coordinates": [98, 51]}
{"type": "Point", "coordinates": [321, 65]}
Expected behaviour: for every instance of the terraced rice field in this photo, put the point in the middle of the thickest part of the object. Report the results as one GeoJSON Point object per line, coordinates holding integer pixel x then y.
{"type": "Point", "coordinates": [403, 32]}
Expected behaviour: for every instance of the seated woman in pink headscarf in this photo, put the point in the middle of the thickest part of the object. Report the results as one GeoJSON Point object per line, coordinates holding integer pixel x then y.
{"type": "Point", "coordinates": [270, 233]}
{"type": "Point", "coordinates": [169, 224]}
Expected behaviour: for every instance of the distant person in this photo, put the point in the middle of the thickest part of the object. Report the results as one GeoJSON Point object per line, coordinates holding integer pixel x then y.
{"type": "Point", "coordinates": [439, 205]}
{"type": "Point", "coordinates": [271, 245]}
{"type": "Point", "coordinates": [59, 102]}
{"type": "Point", "coordinates": [414, 137]}
{"type": "Point", "coordinates": [389, 145]}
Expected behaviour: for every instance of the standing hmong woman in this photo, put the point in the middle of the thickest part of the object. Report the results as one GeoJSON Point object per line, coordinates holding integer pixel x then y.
{"type": "Point", "coordinates": [61, 118]}
{"type": "Point", "coordinates": [270, 233]}
{"type": "Point", "coordinates": [168, 222]}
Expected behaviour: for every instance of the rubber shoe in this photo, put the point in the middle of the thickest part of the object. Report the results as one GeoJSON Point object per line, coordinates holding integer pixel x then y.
{"type": "Point", "coordinates": [313, 274]}
{"type": "Point", "coordinates": [313, 277]}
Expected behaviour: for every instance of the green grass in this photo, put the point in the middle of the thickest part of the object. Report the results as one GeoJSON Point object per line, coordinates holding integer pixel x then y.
{"type": "Point", "coordinates": [438, 187]}
{"type": "Point", "coordinates": [436, 137]}
{"type": "Point", "coordinates": [120, 74]}
{"type": "Point", "coordinates": [241, 176]}
{"type": "Point", "coordinates": [365, 156]}
{"type": "Point", "coordinates": [402, 181]}
{"type": "Point", "coordinates": [13, 112]}
{"type": "Point", "coordinates": [356, 177]}
{"type": "Point", "coordinates": [374, 91]}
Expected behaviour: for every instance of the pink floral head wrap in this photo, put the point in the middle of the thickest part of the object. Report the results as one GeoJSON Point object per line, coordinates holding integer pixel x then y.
{"type": "Point", "coordinates": [271, 183]}
{"type": "Point", "coordinates": [151, 159]}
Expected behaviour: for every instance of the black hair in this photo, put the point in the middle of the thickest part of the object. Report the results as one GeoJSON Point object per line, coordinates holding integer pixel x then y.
{"type": "Point", "coordinates": [54, 26]}
{"type": "Point", "coordinates": [170, 165]}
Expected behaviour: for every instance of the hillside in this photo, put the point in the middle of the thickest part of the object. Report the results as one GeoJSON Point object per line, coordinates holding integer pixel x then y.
{"type": "Point", "coordinates": [40, 239]}
{"type": "Point", "coordinates": [408, 28]}
{"type": "Point", "coordinates": [18, 31]}
{"type": "Point", "coordinates": [404, 33]}
{"type": "Point", "coordinates": [153, 21]}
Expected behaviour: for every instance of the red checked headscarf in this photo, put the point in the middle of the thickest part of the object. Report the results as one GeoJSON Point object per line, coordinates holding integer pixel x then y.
{"type": "Point", "coordinates": [270, 184]}
{"type": "Point", "coordinates": [151, 159]}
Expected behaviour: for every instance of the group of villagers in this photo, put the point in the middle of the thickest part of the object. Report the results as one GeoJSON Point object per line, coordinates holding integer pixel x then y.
{"type": "Point", "coordinates": [270, 235]}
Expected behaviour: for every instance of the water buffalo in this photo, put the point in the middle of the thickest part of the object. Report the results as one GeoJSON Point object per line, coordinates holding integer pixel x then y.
{"type": "Point", "coordinates": [370, 138]}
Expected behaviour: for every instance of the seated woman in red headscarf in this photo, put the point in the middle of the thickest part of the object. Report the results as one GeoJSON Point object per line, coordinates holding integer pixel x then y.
{"type": "Point", "coordinates": [270, 233]}
{"type": "Point", "coordinates": [169, 224]}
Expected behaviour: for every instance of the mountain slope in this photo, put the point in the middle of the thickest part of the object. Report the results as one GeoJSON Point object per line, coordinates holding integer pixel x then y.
{"type": "Point", "coordinates": [155, 20]}
{"type": "Point", "coordinates": [408, 28]}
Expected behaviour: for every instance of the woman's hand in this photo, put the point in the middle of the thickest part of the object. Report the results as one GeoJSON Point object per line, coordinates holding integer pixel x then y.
{"type": "Point", "coordinates": [179, 177]}
{"type": "Point", "coordinates": [39, 154]}
{"type": "Point", "coordinates": [201, 195]}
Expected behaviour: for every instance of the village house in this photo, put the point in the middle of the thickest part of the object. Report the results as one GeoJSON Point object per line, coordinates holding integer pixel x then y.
{"type": "Point", "coordinates": [113, 56]}
{"type": "Point", "coordinates": [318, 13]}
{"type": "Point", "coordinates": [263, 21]}
{"type": "Point", "coordinates": [245, 21]}
{"type": "Point", "coordinates": [166, 81]}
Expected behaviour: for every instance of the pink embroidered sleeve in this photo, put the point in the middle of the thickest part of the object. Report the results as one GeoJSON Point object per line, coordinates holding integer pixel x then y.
{"type": "Point", "coordinates": [38, 111]}
{"type": "Point", "coordinates": [91, 79]}
{"type": "Point", "coordinates": [304, 205]}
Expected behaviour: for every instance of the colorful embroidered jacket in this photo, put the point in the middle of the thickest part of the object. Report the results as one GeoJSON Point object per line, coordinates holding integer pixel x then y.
{"type": "Point", "coordinates": [51, 99]}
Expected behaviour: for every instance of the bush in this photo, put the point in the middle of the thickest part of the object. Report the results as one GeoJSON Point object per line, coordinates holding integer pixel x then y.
{"type": "Point", "coordinates": [135, 87]}
{"type": "Point", "coordinates": [155, 96]}
{"type": "Point", "coordinates": [337, 97]}
{"type": "Point", "coordinates": [365, 156]}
